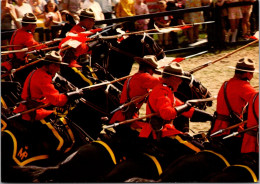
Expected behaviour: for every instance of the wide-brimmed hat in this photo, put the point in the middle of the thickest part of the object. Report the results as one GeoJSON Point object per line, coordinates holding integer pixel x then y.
{"type": "Point", "coordinates": [29, 18]}
{"type": "Point", "coordinates": [150, 60]}
{"type": "Point", "coordinates": [245, 65]}
{"type": "Point", "coordinates": [174, 69]}
{"type": "Point", "coordinates": [54, 57]}
{"type": "Point", "coordinates": [87, 13]}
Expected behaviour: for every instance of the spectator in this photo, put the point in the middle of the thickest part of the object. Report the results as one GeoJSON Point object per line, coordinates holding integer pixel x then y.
{"type": "Point", "coordinates": [223, 19]}
{"type": "Point", "coordinates": [193, 17]}
{"type": "Point", "coordinates": [246, 11]}
{"type": "Point", "coordinates": [107, 7]}
{"type": "Point", "coordinates": [234, 14]}
{"type": "Point", "coordinates": [38, 7]}
{"type": "Point", "coordinates": [163, 22]}
{"type": "Point", "coordinates": [52, 17]}
{"type": "Point", "coordinates": [22, 8]}
{"type": "Point", "coordinates": [73, 6]}
{"type": "Point", "coordinates": [95, 7]}
{"type": "Point", "coordinates": [140, 9]}
{"type": "Point", "coordinates": [125, 8]}
{"type": "Point", "coordinates": [8, 16]}
{"type": "Point", "coordinates": [69, 21]}
{"type": "Point", "coordinates": [177, 20]}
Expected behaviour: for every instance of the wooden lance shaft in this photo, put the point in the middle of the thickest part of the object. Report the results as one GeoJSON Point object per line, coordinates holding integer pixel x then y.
{"type": "Point", "coordinates": [227, 55]}
{"type": "Point", "coordinates": [129, 121]}
{"type": "Point", "coordinates": [228, 128]}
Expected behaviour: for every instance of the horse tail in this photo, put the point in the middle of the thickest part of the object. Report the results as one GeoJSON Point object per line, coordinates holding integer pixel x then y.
{"type": "Point", "coordinates": [35, 174]}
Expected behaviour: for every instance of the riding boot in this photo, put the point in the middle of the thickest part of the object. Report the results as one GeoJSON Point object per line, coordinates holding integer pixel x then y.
{"type": "Point", "coordinates": [234, 36]}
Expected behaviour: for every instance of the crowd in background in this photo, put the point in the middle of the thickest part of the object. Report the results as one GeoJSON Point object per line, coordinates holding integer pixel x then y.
{"type": "Point", "coordinates": [54, 12]}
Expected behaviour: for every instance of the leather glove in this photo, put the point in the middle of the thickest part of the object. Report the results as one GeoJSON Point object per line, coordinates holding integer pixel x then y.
{"type": "Point", "coordinates": [201, 116]}
{"type": "Point", "coordinates": [183, 108]}
{"type": "Point", "coordinates": [73, 95]}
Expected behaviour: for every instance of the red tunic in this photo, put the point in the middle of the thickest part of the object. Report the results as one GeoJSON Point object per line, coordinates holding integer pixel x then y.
{"type": "Point", "coordinates": [250, 143]}
{"type": "Point", "coordinates": [42, 90]}
{"type": "Point", "coordinates": [163, 101]}
{"type": "Point", "coordinates": [25, 39]}
{"type": "Point", "coordinates": [239, 93]}
{"type": "Point", "coordinates": [139, 85]}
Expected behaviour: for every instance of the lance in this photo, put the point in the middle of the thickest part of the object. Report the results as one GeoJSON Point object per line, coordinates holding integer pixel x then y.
{"type": "Point", "coordinates": [20, 68]}
{"type": "Point", "coordinates": [190, 56]}
{"type": "Point", "coordinates": [97, 85]}
{"type": "Point", "coordinates": [28, 48]}
{"type": "Point", "coordinates": [166, 29]}
{"type": "Point", "coordinates": [228, 128]}
{"type": "Point", "coordinates": [27, 111]}
{"type": "Point", "coordinates": [225, 56]}
{"type": "Point", "coordinates": [129, 103]}
{"type": "Point", "coordinates": [128, 121]}
{"type": "Point", "coordinates": [194, 101]}
{"type": "Point", "coordinates": [237, 133]}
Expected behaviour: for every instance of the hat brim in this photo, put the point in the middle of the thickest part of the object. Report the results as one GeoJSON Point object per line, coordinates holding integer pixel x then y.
{"type": "Point", "coordinates": [181, 76]}
{"type": "Point", "coordinates": [142, 61]}
{"type": "Point", "coordinates": [37, 22]}
{"type": "Point", "coordinates": [252, 71]}
{"type": "Point", "coordinates": [61, 63]}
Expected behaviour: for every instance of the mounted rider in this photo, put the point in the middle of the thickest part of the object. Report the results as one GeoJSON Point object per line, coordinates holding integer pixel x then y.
{"type": "Point", "coordinates": [163, 102]}
{"type": "Point", "coordinates": [79, 33]}
{"type": "Point", "coordinates": [136, 86]}
{"type": "Point", "coordinates": [22, 38]}
{"type": "Point", "coordinates": [38, 89]}
{"type": "Point", "coordinates": [233, 96]}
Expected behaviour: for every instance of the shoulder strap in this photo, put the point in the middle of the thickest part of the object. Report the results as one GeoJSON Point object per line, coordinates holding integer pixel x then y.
{"type": "Point", "coordinates": [28, 87]}
{"type": "Point", "coordinates": [226, 99]}
{"type": "Point", "coordinates": [12, 41]}
{"type": "Point", "coordinates": [128, 89]}
{"type": "Point", "coordinates": [253, 105]}
{"type": "Point", "coordinates": [232, 114]}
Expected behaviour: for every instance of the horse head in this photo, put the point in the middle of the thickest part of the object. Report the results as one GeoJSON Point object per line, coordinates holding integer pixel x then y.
{"type": "Point", "coordinates": [193, 89]}
{"type": "Point", "coordinates": [117, 58]}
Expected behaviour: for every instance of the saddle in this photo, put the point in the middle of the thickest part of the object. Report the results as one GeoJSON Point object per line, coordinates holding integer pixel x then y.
{"type": "Point", "coordinates": [39, 142]}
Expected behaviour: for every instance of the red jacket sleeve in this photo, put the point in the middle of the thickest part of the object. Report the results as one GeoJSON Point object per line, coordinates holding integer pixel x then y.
{"type": "Point", "coordinates": [51, 94]}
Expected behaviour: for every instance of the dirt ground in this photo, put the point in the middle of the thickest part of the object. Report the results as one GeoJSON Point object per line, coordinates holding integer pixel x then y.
{"type": "Point", "coordinates": [213, 76]}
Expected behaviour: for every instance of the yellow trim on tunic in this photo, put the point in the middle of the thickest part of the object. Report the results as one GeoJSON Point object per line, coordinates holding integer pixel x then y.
{"type": "Point", "coordinates": [64, 121]}
{"type": "Point", "coordinates": [82, 76]}
{"type": "Point", "coordinates": [92, 72]}
{"type": "Point", "coordinates": [186, 143]}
